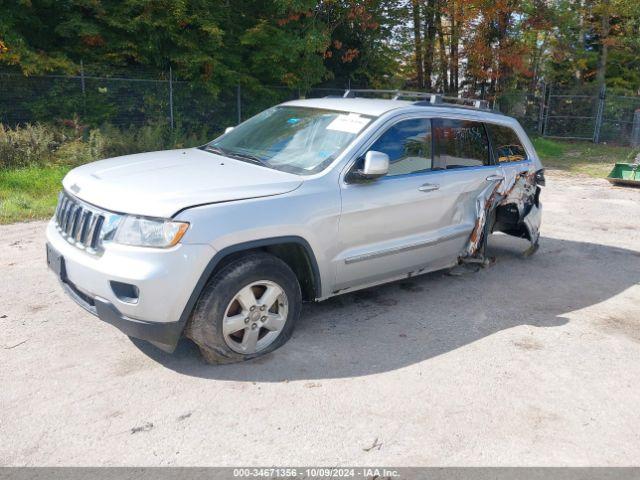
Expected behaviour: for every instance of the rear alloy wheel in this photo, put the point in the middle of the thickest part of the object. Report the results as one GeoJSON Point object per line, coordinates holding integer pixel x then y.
{"type": "Point", "coordinates": [248, 308]}
{"type": "Point", "coordinates": [255, 317]}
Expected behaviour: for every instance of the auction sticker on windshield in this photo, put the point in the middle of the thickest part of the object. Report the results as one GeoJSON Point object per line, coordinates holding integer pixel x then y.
{"type": "Point", "coordinates": [351, 123]}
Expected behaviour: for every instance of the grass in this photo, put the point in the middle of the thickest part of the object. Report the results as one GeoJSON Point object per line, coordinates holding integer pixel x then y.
{"type": "Point", "coordinates": [29, 193]}
{"type": "Point", "coordinates": [581, 157]}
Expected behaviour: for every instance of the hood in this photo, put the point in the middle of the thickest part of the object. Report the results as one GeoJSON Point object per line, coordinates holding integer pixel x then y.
{"type": "Point", "coordinates": [159, 184]}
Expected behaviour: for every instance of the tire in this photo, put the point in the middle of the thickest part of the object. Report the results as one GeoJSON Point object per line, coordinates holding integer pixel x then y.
{"type": "Point", "coordinates": [227, 297]}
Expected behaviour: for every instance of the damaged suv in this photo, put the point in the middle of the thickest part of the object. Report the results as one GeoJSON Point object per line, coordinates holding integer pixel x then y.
{"type": "Point", "coordinates": [306, 200]}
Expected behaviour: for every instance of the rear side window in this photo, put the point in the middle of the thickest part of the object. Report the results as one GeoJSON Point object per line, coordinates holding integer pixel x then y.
{"type": "Point", "coordinates": [507, 147]}
{"type": "Point", "coordinates": [461, 143]}
{"type": "Point", "coordinates": [408, 144]}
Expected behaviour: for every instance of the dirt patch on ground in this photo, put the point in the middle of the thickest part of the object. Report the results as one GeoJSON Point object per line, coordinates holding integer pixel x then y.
{"type": "Point", "coordinates": [528, 343]}
{"type": "Point", "coordinates": [628, 325]}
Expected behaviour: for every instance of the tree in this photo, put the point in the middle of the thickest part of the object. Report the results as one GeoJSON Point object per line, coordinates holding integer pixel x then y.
{"type": "Point", "coordinates": [460, 47]}
{"type": "Point", "coordinates": [417, 36]}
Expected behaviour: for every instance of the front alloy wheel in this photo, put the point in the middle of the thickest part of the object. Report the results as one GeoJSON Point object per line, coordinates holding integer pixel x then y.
{"type": "Point", "coordinates": [248, 308]}
{"type": "Point", "coordinates": [255, 317]}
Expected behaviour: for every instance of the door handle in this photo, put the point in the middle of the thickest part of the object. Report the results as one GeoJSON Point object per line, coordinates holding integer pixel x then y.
{"type": "Point", "coordinates": [495, 178]}
{"type": "Point", "coordinates": [428, 187]}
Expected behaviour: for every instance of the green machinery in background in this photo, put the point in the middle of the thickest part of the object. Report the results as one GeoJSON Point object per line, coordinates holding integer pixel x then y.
{"type": "Point", "coordinates": [626, 173]}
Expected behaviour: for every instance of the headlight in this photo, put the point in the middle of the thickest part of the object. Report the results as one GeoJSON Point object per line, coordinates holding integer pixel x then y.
{"type": "Point", "coordinates": [149, 232]}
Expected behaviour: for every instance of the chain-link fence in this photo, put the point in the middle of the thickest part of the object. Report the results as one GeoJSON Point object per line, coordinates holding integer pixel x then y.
{"type": "Point", "coordinates": [581, 114]}
{"type": "Point", "coordinates": [200, 108]}
{"type": "Point", "coordinates": [92, 101]}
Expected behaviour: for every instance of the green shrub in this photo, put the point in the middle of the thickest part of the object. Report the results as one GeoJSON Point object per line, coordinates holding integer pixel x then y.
{"type": "Point", "coordinates": [71, 144]}
{"type": "Point", "coordinates": [148, 138]}
{"type": "Point", "coordinates": [30, 145]}
{"type": "Point", "coordinates": [79, 150]}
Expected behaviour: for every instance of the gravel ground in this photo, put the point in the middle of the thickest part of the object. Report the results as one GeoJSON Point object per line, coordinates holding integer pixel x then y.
{"type": "Point", "coordinates": [529, 362]}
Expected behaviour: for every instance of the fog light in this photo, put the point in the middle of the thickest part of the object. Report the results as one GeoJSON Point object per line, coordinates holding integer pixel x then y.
{"type": "Point", "coordinates": [125, 292]}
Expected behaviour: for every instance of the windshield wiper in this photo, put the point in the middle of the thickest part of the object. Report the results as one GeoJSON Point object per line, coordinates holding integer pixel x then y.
{"type": "Point", "coordinates": [248, 156]}
{"type": "Point", "coordinates": [216, 150]}
{"type": "Point", "coordinates": [237, 155]}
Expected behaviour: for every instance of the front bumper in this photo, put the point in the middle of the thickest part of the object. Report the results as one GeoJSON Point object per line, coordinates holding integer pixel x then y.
{"type": "Point", "coordinates": [164, 278]}
{"type": "Point", "coordinates": [163, 334]}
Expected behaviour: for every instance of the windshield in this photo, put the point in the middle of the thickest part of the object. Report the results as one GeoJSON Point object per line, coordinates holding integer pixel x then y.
{"type": "Point", "coordinates": [292, 139]}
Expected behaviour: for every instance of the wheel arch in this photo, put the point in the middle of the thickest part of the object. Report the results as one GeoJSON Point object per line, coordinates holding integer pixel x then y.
{"type": "Point", "coordinates": [300, 259]}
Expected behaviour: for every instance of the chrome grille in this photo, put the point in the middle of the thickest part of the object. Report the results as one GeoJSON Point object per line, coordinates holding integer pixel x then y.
{"type": "Point", "coordinates": [79, 223]}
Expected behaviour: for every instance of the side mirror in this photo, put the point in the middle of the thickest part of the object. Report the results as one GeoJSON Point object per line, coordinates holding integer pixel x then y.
{"type": "Point", "coordinates": [376, 165]}
{"type": "Point", "coordinates": [228, 129]}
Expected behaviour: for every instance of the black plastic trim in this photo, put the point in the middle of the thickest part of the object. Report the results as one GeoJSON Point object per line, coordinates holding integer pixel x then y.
{"type": "Point", "coordinates": [167, 333]}
{"type": "Point", "coordinates": [492, 154]}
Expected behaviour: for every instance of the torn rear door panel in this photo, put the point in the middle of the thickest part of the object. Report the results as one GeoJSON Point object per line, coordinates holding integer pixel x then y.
{"type": "Point", "coordinates": [510, 205]}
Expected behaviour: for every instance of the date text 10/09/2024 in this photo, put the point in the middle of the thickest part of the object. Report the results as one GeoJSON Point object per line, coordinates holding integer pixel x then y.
{"type": "Point", "coordinates": [363, 472]}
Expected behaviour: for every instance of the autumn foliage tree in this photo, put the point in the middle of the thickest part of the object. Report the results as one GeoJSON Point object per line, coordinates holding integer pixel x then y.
{"type": "Point", "coordinates": [485, 47]}
{"type": "Point", "coordinates": [460, 47]}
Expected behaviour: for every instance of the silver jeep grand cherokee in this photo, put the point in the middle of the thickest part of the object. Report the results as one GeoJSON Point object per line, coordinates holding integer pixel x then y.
{"type": "Point", "coordinates": [306, 200]}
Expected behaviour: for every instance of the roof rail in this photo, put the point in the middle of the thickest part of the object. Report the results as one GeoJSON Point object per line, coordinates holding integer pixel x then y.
{"type": "Point", "coordinates": [425, 98]}
{"type": "Point", "coordinates": [395, 94]}
{"type": "Point", "coordinates": [439, 99]}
